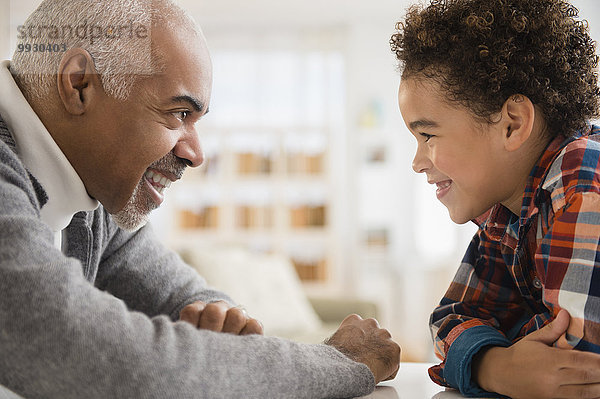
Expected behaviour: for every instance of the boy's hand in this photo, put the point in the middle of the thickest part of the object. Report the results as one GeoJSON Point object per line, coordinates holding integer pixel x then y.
{"type": "Point", "coordinates": [220, 317]}
{"type": "Point", "coordinates": [364, 342]}
{"type": "Point", "coordinates": [532, 368]}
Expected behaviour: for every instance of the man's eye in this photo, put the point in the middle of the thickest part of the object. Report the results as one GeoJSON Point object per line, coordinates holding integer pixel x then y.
{"type": "Point", "coordinates": [181, 115]}
{"type": "Point", "coordinates": [427, 136]}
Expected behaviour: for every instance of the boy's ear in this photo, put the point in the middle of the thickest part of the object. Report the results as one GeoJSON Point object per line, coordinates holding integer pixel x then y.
{"type": "Point", "coordinates": [518, 117]}
{"type": "Point", "coordinates": [77, 81]}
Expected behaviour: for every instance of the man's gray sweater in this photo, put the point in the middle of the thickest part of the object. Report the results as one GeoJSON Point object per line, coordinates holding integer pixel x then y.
{"type": "Point", "coordinates": [99, 321]}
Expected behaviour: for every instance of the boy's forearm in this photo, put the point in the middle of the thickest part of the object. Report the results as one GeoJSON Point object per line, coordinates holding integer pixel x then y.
{"type": "Point", "coordinates": [462, 347]}
{"type": "Point", "coordinates": [533, 368]}
{"type": "Point", "coordinates": [486, 365]}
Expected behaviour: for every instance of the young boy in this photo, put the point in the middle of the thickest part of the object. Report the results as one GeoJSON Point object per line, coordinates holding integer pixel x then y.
{"type": "Point", "coordinates": [498, 94]}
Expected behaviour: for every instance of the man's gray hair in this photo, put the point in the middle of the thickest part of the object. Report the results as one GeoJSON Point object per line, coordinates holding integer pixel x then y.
{"type": "Point", "coordinates": [116, 33]}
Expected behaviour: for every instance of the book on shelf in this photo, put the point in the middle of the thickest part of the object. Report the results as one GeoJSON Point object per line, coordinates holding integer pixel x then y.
{"type": "Point", "coordinates": [254, 216]}
{"type": "Point", "coordinates": [308, 216]}
{"type": "Point", "coordinates": [310, 270]}
{"type": "Point", "coordinates": [203, 218]}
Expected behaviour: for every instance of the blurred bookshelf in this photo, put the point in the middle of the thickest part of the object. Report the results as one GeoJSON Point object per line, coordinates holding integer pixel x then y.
{"type": "Point", "coordinates": [274, 178]}
{"type": "Point", "coordinates": [272, 196]}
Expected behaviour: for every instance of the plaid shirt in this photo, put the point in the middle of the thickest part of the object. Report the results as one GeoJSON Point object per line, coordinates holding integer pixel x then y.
{"type": "Point", "coordinates": [519, 271]}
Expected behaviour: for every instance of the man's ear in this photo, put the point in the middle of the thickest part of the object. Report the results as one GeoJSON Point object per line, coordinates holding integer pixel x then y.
{"type": "Point", "coordinates": [77, 80]}
{"type": "Point", "coordinates": [518, 115]}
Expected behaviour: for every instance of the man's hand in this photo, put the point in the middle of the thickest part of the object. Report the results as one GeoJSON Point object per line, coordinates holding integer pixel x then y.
{"type": "Point", "coordinates": [364, 342]}
{"type": "Point", "coordinates": [532, 368]}
{"type": "Point", "coordinates": [220, 317]}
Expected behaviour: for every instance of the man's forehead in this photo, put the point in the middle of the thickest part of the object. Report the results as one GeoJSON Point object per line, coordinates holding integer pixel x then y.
{"type": "Point", "coordinates": [187, 72]}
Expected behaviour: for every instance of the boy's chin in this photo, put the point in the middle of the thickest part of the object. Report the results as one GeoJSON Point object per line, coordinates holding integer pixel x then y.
{"type": "Point", "coordinates": [459, 218]}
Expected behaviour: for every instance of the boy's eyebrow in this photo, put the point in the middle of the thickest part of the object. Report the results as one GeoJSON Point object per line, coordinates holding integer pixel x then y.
{"type": "Point", "coordinates": [415, 125]}
{"type": "Point", "coordinates": [196, 104]}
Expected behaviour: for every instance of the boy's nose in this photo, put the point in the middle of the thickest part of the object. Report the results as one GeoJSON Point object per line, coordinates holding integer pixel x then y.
{"type": "Point", "coordinates": [421, 162]}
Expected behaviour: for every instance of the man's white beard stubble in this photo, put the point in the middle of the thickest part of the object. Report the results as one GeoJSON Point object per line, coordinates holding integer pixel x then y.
{"type": "Point", "coordinates": [135, 212]}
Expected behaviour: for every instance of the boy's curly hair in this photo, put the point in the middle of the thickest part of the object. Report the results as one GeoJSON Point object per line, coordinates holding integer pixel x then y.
{"type": "Point", "coordinates": [484, 51]}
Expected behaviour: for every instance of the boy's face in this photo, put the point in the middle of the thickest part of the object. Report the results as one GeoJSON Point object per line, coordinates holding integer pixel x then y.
{"type": "Point", "coordinates": [464, 158]}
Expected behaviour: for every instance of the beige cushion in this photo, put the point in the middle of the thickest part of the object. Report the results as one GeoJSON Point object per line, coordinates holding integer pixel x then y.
{"type": "Point", "coordinates": [266, 285]}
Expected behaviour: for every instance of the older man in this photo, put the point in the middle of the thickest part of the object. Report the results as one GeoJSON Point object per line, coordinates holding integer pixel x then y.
{"type": "Point", "coordinates": [91, 305]}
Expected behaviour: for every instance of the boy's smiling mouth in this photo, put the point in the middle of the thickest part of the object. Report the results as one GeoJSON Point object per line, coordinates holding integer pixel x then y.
{"type": "Point", "coordinates": [442, 188]}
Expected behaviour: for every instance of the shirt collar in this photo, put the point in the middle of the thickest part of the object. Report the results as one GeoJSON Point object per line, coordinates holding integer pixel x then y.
{"type": "Point", "coordinates": [499, 222]}
{"type": "Point", "coordinates": [42, 156]}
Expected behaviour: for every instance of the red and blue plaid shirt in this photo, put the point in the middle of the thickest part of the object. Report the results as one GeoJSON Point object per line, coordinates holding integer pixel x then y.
{"type": "Point", "coordinates": [519, 271]}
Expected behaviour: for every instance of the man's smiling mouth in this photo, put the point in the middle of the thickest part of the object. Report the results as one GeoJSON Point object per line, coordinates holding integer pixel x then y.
{"type": "Point", "coordinates": [157, 180]}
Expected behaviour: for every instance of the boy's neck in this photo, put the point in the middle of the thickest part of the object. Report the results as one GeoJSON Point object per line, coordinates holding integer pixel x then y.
{"type": "Point", "coordinates": [524, 160]}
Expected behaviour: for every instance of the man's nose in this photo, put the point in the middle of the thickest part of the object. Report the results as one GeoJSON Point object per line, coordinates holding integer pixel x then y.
{"type": "Point", "coordinates": [189, 148]}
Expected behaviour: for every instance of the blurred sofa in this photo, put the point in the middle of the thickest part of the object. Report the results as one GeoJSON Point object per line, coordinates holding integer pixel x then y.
{"type": "Point", "coordinates": [268, 286]}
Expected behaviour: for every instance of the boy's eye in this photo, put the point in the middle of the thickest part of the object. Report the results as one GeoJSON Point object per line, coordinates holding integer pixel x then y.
{"type": "Point", "coordinates": [427, 136]}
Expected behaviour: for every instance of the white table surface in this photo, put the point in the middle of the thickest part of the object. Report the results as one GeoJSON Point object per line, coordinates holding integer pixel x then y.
{"type": "Point", "coordinates": [412, 382]}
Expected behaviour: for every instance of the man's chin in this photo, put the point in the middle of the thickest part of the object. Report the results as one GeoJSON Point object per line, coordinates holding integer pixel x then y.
{"type": "Point", "coordinates": [134, 214]}
{"type": "Point", "coordinates": [130, 221]}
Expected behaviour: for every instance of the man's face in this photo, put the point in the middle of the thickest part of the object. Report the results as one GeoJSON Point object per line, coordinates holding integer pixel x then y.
{"type": "Point", "coordinates": [462, 157]}
{"type": "Point", "coordinates": [144, 143]}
